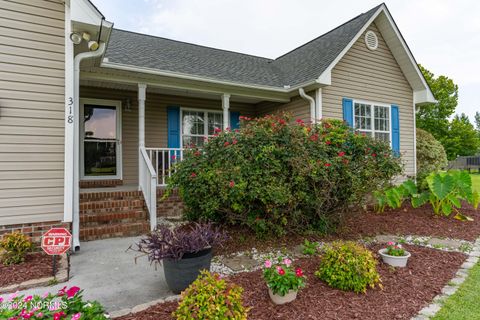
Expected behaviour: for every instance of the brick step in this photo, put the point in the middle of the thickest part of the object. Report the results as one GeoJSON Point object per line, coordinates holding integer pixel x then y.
{"type": "Point", "coordinates": [109, 195]}
{"type": "Point", "coordinates": [95, 219]}
{"type": "Point", "coordinates": [114, 230]}
{"type": "Point", "coordinates": [111, 205]}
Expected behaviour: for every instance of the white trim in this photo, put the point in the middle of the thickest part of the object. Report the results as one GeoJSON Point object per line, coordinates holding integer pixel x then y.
{"type": "Point", "coordinates": [318, 105]}
{"type": "Point", "coordinates": [414, 138]}
{"type": "Point", "coordinates": [119, 155]}
{"type": "Point", "coordinates": [68, 188]}
{"type": "Point", "coordinates": [205, 124]}
{"type": "Point", "coordinates": [226, 112]}
{"type": "Point", "coordinates": [372, 116]}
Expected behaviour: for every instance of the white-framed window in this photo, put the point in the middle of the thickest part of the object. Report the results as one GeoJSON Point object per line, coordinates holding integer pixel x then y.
{"type": "Point", "coordinates": [198, 125]}
{"type": "Point", "coordinates": [372, 119]}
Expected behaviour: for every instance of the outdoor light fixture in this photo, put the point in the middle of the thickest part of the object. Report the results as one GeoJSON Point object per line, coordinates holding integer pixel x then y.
{"type": "Point", "coordinates": [128, 106]}
{"type": "Point", "coordinates": [76, 37]}
{"type": "Point", "coordinates": [92, 45]}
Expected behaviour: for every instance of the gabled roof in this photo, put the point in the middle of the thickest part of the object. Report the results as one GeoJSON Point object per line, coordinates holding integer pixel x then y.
{"type": "Point", "coordinates": [298, 66]}
{"type": "Point", "coordinates": [310, 63]}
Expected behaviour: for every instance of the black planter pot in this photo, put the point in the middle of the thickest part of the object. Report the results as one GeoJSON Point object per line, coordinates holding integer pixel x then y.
{"type": "Point", "coordinates": [180, 274]}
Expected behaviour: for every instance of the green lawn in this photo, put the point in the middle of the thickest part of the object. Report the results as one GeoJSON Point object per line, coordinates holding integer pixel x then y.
{"type": "Point", "coordinates": [463, 305]}
{"type": "Point", "coordinates": [476, 181]}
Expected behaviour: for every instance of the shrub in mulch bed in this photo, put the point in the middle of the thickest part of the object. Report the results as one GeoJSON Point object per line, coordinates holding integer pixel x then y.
{"type": "Point", "coordinates": [36, 265]}
{"type": "Point", "coordinates": [405, 292]}
{"type": "Point", "coordinates": [410, 221]}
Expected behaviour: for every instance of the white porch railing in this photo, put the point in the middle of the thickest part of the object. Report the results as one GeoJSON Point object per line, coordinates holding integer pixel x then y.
{"type": "Point", "coordinates": [163, 160]}
{"type": "Point", "coordinates": [148, 185]}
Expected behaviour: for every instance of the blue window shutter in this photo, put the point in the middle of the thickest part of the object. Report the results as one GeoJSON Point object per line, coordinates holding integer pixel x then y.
{"type": "Point", "coordinates": [173, 126]}
{"type": "Point", "coordinates": [348, 111]}
{"type": "Point", "coordinates": [395, 131]}
{"type": "Point", "coordinates": [234, 120]}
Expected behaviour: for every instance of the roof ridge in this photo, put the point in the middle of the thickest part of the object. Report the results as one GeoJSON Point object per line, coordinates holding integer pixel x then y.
{"type": "Point", "coordinates": [193, 44]}
{"type": "Point", "coordinates": [324, 34]}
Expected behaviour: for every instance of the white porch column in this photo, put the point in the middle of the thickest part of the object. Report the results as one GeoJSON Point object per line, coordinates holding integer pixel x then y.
{"type": "Point", "coordinates": [226, 107]}
{"type": "Point", "coordinates": [142, 93]}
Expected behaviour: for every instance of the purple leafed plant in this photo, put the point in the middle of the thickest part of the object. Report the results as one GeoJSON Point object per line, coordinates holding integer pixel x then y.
{"type": "Point", "coordinates": [165, 243]}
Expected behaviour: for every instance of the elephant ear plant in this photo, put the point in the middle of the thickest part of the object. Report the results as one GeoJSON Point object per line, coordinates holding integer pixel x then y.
{"type": "Point", "coordinates": [183, 252]}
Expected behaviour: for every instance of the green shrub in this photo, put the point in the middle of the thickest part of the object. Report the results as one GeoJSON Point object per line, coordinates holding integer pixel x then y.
{"type": "Point", "coordinates": [274, 176]}
{"type": "Point", "coordinates": [431, 156]}
{"type": "Point", "coordinates": [348, 266]}
{"type": "Point", "coordinates": [15, 247]}
{"type": "Point", "coordinates": [210, 297]}
{"type": "Point", "coordinates": [394, 197]}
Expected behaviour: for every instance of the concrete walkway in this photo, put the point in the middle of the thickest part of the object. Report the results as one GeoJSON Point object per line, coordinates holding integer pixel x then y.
{"type": "Point", "coordinates": [109, 275]}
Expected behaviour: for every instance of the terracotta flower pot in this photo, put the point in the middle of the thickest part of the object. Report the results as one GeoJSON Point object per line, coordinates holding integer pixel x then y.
{"type": "Point", "coordinates": [278, 299]}
{"type": "Point", "coordinates": [394, 261]}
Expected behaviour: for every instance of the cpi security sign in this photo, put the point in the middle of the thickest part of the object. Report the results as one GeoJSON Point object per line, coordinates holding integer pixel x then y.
{"type": "Point", "coordinates": [56, 241]}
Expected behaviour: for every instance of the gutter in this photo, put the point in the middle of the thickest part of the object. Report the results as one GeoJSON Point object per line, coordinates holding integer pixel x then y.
{"type": "Point", "coordinates": [76, 162]}
{"type": "Point", "coordinates": [305, 96]}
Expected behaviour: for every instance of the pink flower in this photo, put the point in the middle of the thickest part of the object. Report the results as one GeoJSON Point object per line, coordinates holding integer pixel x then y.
{"type": "Point", "coordinates": [391, 243]}
{"type": "Point", "coordinates": [197, 153]}
{"type": "Point", "coordinates": [268, 264]}
{"type": "Point", "coordinates": [76, 316]}
{"type": "Point", "coordinates": [278, 269]}
{"type": "Point", "coordinates": [299, 272]}
{"type": "Point", "coordinates": [72, 291]}
{"type": "Point", "coordinates": [327, 164]}
{"type": "Point", "coordinates": [1, 299]}
{"type": "Point", "coordinates": [226, 144]}
{"type": "Point", "coordinates": [217, 130]}
{"type": "Point", "coordinates": [193, 175]}
{"type": "Point", "coordinates": [13, 296]}
{"type": "Point", "coordinates": [27, 299]}
{"type": "Point", "coordinates": [234, 141]}
{"type": "Point", "coordinates": [39, 315]}
{"type": "Point", "coordinates": [58, 315]}
{"type": "Point", "coordinates": [232, 184]}
{"type": "Point", "coordinates": [174, 157]}
{"type": "Point", "coordinates": [341, 154]}
{"type": "Point", "coordinates": [328, 142]}
{"type": "Point", "coordinates": [287, 262]}
{"type": "Point", "coordinates": [300, 121]}
{"type": "Point", "coordinates": [281, 272]}
{"type": "Point", "coordinates": [374, 154]}
{"type": "Point", "coordinates": [45, 294]}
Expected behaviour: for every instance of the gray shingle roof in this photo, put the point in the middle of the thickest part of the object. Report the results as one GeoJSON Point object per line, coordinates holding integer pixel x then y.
{"type": "Point", "coordinates": [300, 65]}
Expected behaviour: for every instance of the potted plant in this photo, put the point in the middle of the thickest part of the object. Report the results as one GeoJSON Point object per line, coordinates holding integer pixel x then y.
{"type": "Point", "coordinates": [283, 280]}
{"type": "Point", "coordinates": [395, 255]}
{"type": "Point", "coordinates": [184, 251]}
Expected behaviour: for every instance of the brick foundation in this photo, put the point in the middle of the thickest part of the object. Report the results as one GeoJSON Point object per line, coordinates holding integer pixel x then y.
{"type": "Point", "coordinates": [172, 207]}
{"type": "Point", "coordinates": [33, 230]}
{"type": "Point", "coordinates": [84, 184]}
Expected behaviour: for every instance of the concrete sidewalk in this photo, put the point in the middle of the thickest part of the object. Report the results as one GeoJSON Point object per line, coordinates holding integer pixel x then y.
{"type": "Point", "coordinates": [109, 275]}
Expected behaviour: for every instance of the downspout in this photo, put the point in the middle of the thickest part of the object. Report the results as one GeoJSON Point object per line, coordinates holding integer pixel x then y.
{"type": "Point", "coordinates": [76, 162]}
{"type": "Point", "coordinates": [311, 101]}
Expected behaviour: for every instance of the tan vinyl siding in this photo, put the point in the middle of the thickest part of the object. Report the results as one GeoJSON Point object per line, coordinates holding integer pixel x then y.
{"type": "Point", "coordinates": [297, 107]}
{"type": "Point", "coordinates": [155, 120]}
{"type": "Point", "coordinates": [31, 111]}
{"type": "Point", "coordinates": [373, 76]}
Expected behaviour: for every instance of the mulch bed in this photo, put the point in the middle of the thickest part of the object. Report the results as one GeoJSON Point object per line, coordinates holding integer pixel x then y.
{"type": "Point", "coordinates": [37, 265]}
{"type": "Point", "coordinates": [410, 221]}
{"type": "Point", "coordinates": [406, 291]}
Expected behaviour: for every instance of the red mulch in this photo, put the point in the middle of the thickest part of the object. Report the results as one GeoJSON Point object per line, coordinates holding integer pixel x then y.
{"type": "Point", "coordinates": [410, 221]}
{"type": "Point", "coordinates": [36, 265]}
{"type": "Point", "coordinates": [406, 291]}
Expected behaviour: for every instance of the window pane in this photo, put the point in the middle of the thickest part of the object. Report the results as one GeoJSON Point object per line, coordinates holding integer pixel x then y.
{"type": "Point", "coordinates": [189, 141]}
{"type": "Point", "coordinates": [100, 158]}
{"type": "Point", "coordinates": [193, 122]}
{"type": "Point", "coordinates": [100, 122]}
{"type": "Point", "coordinates": [215, 120]}
{"type": "Point", "coordinates": [382, 136]}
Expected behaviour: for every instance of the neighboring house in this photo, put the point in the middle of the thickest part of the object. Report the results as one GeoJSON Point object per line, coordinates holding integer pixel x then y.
{"type": "Point", "coordinates": [75, 117]}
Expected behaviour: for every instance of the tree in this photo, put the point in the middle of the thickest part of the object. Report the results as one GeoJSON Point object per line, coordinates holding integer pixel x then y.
{"type": "Point", "coordinates": [434, 117]}
{"type": "Point", "coordinates": [477, 121]}
{"type": "Point", "coordinates": [462, 138]}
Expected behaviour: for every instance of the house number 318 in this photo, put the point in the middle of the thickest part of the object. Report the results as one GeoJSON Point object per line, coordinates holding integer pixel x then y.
{"type": "Point", "coordinates": [70, 113]}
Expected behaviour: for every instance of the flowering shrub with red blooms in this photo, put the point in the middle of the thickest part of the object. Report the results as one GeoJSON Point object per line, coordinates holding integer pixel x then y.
{"type": "Point", "coordinates": [281, 276]}
{"type": "Point", "coordinates": [67, 304]}
{"type": "Point", "coordinates": [395, 249]}
{"type": "Point", "coordinates": [277, 176]}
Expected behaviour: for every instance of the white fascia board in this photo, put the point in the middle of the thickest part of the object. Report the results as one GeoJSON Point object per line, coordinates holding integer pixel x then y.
{"type": "Point", "coordinates": [83, 11]}
{"type": "Point", "coordinates": [423, 97]}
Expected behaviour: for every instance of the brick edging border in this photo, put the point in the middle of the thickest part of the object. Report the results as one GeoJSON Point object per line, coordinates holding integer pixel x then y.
{"type": "Point", "coordinates": [61, 276]}
{"type": "Point", "coordinates": [462, 274]}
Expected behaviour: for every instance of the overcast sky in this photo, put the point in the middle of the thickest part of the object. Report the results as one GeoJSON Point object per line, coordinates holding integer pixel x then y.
{"type": "Point", "coordinates": [444, 35]}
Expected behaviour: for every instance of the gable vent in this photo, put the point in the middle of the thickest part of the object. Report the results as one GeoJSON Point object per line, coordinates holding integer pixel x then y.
{"type": "Point", "coordinates": [371, 40]}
